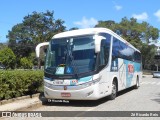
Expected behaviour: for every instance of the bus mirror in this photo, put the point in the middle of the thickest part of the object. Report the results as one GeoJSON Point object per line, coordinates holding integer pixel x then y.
{"type": "Point", "coordinates": [98, 42]}
{"type": "Point", "coordinates": [38, 48]}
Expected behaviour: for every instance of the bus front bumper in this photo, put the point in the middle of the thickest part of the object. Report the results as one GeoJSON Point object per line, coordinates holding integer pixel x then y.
{"type": "Point", "coordinates": [87, 93]}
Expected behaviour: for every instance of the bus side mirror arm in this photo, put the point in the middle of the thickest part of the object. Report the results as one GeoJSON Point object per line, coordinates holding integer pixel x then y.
{"type": "Point", "coordinates": [38, 48]}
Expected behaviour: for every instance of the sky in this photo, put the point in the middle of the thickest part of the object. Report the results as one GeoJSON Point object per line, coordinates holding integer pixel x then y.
{"type": "Point", "coordinates": [78, 13]}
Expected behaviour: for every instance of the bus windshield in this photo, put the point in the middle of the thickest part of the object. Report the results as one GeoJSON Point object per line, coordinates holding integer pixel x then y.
{"type": "Point", "coordinates": [73, 55]}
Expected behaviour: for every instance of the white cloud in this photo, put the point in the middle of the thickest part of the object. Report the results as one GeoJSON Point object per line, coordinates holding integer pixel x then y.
{"type": "Point", "coordinates": [143, 16]}
{"type": "Point", "coordinates": [157, 14]}
{"type": "Point", "coordinates": [86, 23]}
{"type": "Point", "coordinates": [118, 7]}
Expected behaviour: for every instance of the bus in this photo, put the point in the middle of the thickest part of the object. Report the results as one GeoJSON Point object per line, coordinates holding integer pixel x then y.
{"type": "Point", "coordinates": [89, 64]}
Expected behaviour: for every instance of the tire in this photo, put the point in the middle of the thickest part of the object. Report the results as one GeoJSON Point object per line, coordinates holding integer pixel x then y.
{"type": "Point", "coordinates": [114, 91]}
{"type": "Point", "coordinates": [43, 99]}
{"type": "Point", "coordinates": [137, 83]}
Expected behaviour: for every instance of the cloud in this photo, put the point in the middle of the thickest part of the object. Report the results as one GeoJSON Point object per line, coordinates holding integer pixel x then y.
{"type": "Point", "coordinates": [86, 23]}
{"type": "Point", "coordinates": [157, 14]}
{"type": "Point", "coordinates": [143, 16]}
{"type": "Point", "coordinates": [118, 7]}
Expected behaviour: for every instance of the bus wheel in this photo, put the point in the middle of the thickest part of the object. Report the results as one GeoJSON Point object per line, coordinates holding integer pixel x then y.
{"type": "Point", "coordinates": [137, 83]}
{"type": "Point", "coordinates": [114, 91]}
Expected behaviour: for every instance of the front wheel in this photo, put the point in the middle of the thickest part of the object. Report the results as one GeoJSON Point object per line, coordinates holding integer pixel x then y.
{"type": "Point", "coordinates": [114, 91]}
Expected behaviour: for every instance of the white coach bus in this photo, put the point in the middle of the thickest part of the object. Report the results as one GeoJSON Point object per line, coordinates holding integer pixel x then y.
{"type": "Point", "coordinates": [89, 64]}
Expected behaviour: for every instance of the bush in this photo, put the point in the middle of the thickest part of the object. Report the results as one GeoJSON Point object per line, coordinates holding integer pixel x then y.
{"type": "Point", "coordinates": [19, 82]}
{"type": "Point", "coordinates": [26, 63]}
{"type": "Point", "coordinates": [7, 58]}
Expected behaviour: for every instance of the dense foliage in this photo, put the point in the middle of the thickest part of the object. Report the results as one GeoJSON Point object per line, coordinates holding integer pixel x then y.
{"type": "Point", "coordinates": [7, 58]}
{"type": "Point", "coordinates": [26, 63]}
{"type": "Point", "coordinates": [19, 82]}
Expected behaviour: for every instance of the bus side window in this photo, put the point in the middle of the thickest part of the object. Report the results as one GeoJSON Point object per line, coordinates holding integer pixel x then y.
{"type": "Point", "coordinates": [102, 53]}
{"type": "Point", "coordinates": [115, 49]}
{"type": "Point", "coordinates": [105, 48]}
{"type": "Point", "coordinates": [137, 56]}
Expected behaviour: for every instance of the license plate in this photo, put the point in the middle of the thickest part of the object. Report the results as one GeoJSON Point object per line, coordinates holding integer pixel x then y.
{"type": "Point", "coordinates": [66, 94]}
{"type": "Point", "coordinates": [61, 82]}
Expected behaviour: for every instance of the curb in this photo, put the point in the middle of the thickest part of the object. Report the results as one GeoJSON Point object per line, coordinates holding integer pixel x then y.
{"type": "Point", "coordinates": [3, 102]}
{"type": "Point", "coordinates": [33, 105]}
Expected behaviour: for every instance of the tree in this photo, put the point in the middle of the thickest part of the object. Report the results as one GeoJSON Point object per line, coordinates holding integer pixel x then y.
{"type": "Point", "coordinates": [149, 32]}
{"type": "Point", "coordinates": [35, 28]}
{"type": "Point", "coordinates": [7, 58]}
{"type": "Point", "coordinates": [18, 41]}
{"type": "Point", "coordinates": [110, 24]}
{"type": "Point", "coordinates": [148, 53]}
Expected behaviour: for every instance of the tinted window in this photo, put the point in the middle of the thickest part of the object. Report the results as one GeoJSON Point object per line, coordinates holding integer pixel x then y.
{"type": "Point", "coordinates": [105, 48]}
{"type": "Point", "coordinates": [115, 49]}
{"type": "Point", "coordinates": [122, 50]}
{"type": "Point", "coordinates": [137, 56]}
{"type": "Point", "coordinates": [126, 52]}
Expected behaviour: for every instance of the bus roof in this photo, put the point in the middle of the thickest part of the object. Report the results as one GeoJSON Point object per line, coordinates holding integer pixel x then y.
{"type": "Point", "coordinates": [89, 31]}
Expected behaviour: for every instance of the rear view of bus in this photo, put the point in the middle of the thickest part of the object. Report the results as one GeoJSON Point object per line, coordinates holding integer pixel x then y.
{"type": "Point", "coordinates": [79, 66]}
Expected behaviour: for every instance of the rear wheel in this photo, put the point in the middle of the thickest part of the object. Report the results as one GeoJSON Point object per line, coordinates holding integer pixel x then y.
{"type": "Point", "coordinates": [114, 91]}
